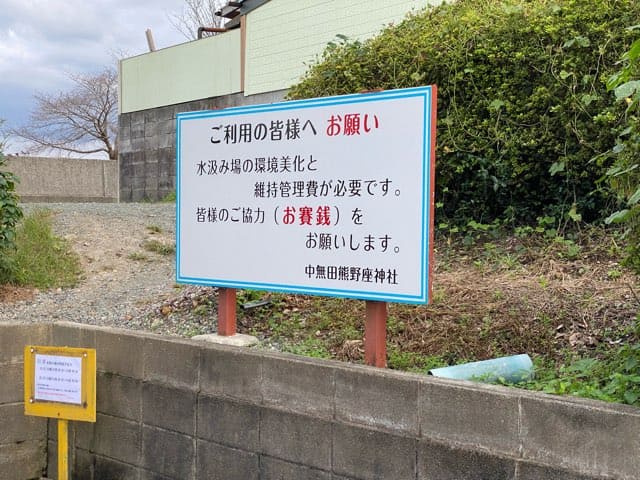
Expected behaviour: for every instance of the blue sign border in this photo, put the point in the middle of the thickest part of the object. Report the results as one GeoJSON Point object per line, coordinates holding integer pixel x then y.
{"type": "Point", "coordinates": [427, 93]}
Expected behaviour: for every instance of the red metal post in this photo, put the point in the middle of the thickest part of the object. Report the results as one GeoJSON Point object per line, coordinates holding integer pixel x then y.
{"type": "Point", "coordinates": [375, 334]}
{"type": "Point", "coordinates": [226, 311]}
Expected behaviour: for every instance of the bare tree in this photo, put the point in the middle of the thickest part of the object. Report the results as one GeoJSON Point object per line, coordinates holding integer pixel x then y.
{"type": "Point", "coordinates": [83, 120]}
{"type": "Point", "coordinates": [196, 14]}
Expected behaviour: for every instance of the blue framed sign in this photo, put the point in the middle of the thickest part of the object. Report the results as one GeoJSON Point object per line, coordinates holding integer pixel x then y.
{"type": "Point", "coordinates": [330, 196]}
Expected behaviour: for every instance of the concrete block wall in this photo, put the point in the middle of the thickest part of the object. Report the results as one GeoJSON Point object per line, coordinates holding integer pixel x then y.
{"type": "Point", "coordinates": [176, 409]}
{"type": "Point", "coordinates": [147, 144]}
{"type": "Point", "coordinates": [23, 440]}
{"type": "Point", "coordinates": [52, 179]}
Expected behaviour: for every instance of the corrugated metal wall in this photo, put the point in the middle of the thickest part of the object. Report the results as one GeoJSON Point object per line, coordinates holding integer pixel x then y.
{"type": "Point", "coordinates": [284, 36]}
{"type": "Point", "coordinates": [200, 69]}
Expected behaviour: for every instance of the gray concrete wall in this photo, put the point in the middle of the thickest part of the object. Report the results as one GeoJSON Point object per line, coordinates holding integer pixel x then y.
{"type": "Point", "coordinates": [147, 144]}
{"type": "Point", "coordinates": [171, 409]}
{"type": "Point", "coordinates": [23, 440]}
{"type": "Point", "coordinates": [44, 179]}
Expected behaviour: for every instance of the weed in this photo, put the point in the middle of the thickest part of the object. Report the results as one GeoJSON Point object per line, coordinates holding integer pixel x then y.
{"type": "Point", "coordinates": [137, 257]}
{"type": "Point", "coordinates": [614, 274]}
{"type": "Point", "coordinates": [614, 378]}
{"type": "Point", "coordinates": [169, 197]}
{"type": "Point", "coordinates": [154, 229]}
{"type": "Point", "coordinates": [42, 259]}
{"type": "Point", "coordinates": [159, 247]}
{"type": "Point", "coordinates": [310, 347]}
{"type": "Point", "coordinates": [398, 359]}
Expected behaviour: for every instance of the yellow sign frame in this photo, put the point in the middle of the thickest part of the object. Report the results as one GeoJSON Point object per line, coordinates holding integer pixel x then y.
{"type": "Point", "coordinates": [86, 410]}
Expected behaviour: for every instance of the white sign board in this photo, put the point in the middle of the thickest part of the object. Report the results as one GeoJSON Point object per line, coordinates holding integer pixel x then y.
{"type": "Point", "coordinates": [329, 196]}
{"type": "Point", "coordinates": [58, 379]}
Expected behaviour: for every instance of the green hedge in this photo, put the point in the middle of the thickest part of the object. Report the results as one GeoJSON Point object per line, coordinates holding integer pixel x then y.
{"type": "Point", "coordinates": [523, 110]}
{"type": "Point", "coordinates": [624, 174]}
{"type": "Point", "coordinates": [10, 214]}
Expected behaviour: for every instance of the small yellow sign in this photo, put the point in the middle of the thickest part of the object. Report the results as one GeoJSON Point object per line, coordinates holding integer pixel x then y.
{"type": "Point", "coordinates": [60, 382]}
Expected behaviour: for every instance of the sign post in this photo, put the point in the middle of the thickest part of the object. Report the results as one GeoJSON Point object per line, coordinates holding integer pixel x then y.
{"type": "Point", "coordinates": [226, 311]}
{"type": "Point", "coordinates": [375, 334]}
{"type": "Point", "coordinates": [60, 382]}
{"type": "Point", "coordinates": [328, 196]}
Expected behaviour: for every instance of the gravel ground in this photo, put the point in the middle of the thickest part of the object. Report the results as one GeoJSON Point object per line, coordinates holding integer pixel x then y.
{"type": "Point", "coordinates": [123, 284]}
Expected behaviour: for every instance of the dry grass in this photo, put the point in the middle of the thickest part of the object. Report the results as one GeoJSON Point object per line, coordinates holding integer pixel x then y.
{"type": "Point", "coordinates": [531, 296]}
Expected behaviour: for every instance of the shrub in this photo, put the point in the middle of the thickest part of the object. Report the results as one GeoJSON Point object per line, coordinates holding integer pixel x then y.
{"type": "Point", "coordinates": [624, 174]}
{"type": "Point", "coordinates": [523, 107]}
{"type": "Point", "coordinates": [10, 214]}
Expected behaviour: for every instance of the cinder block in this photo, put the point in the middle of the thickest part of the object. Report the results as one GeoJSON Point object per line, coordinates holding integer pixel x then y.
{"type": "Point", "coordinates": [442, 462]}
{"type": "Point", "coordinates": [84, 465]}
{"type": "Point", "coordinates": [137, 142]}
{"type": "Point", "coordinates": [148, 475]}
{"type": "Point", "coordinates": [369, 454]}
{"type": "Point", "coordinates": [165, 113]}
{"type": "Point", "coordinates": [167, 158]}
{"type": "Point", "coordinates": [170, 408]}
{"type": "Point", "coordinates": [83, 433]}
{"type": "Point", "coordinates": [300, 386]}
{"type": "Point", "coordinates": [171, 361]}
{"type": "Point", "coordinates": [124, 121]}
{"type": "Point", "coordinates": [168, 126]}
{"type": "Point", "coordinates": [119, 396]}
{"type": "Point", "coordinates": [140, 172]}
{"type": "Point", "coordinates": [274, 469]}
{"type": "Point", "coordinates": [119, 352]}
{"type": "Point", "coordinates": [108, 469]}
{"type": "Point", "coordinates": [377, 398]}
{"type": "Point", "coordinates": [231, 372]}
{"type": "Point", "coordinates": [167, 139]}
{"type": "Point", "coordinates": [137, 117]}
{"type": "Point", "coordinates": [216, 462]}
{"type": "Point", "coordinates": [530, 471]}
{"type": "Point", "coordinates": [117, 438]}
{"type": "Point", "coordinates": [158, 114]}
{"type": "Point", "coordinates": [470, 414]}
{"type": "Point", "coordinates": [168, 453]}
{"type": "Point", "coordinates": [587, 437]}
{"type": "Point", "coordinates": [124, 134]}
{"type": "Point", "coordinates": [52, 461]}
{"type": "Point", "coordinates": [228, 422]}
{"type": "Point", "coordinates": [138, 194]}
{"type": "Point", "coordinates": [137, 131]}
{"type": "Point", "coordinates": [296, 438]}
{"type": "Point", "coordinates": [68, 334]}
{"type": "Point", "coordinates": [11, 382]}
{"type": "Point", "coordinates": [14, 337]}
{"type": "Point", "coordinates": [151, 143]}
{"type": "Point", "coordinates": [19, 461]}
{"type": "Point", "coordinates": [151, 128]}
{"type": "Point", "coordinates": [124, 143]}
{"type": "Point", "coordinates": [16, 427]}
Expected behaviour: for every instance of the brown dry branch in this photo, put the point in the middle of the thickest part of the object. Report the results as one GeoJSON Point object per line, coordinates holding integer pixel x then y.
{"type": "Point", "coordinates": [82, 121]}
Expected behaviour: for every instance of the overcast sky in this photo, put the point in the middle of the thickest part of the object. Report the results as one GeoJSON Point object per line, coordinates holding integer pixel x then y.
{"type": "Point", "coordinates": [41, 41]}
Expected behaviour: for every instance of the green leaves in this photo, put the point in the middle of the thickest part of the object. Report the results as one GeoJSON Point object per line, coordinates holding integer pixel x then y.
{"type": "Point", "coordinates": [579, 41]}
{"type": "Point", "coordinates": [522, 104]}
{"type": "Point", "coordinates": [496, 105]}
{"type": "Point", "coordinates": [618, 217]}
{"type": "Point", "coordinates": [627, 89]}
{"type": "Point", "coordinates": [556, 167]}
{"type": "Point", "coordinates": [10, 214]}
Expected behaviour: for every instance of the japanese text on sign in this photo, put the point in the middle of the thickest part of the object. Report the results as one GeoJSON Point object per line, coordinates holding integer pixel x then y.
{"type": "Point", "coordinates": [329, 196]}
{"type": "Point", "coordinates": [58, 379]}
